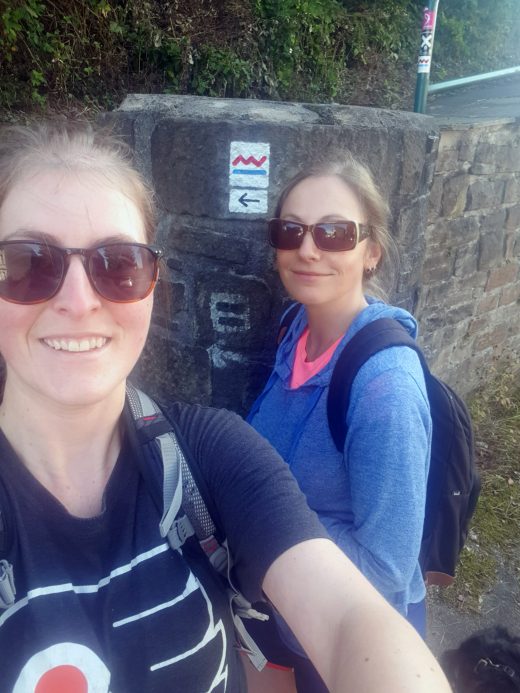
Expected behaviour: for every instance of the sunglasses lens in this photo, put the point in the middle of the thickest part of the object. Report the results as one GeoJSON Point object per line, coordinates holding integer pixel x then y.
{"type": "Point", "coordinates": [337, 236]}
{"type": "Point", "coordinates": [123, 272]}
{"type": "Point", "coordinates": [285, 235]}
{"type": "Point", "coordinates": [29, 272]}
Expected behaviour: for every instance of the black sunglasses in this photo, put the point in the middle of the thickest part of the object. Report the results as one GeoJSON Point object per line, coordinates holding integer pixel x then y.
{"type": "Point", "coordinates": [332, 236]}
{"type": "Point", "coordinates": [33, 272]}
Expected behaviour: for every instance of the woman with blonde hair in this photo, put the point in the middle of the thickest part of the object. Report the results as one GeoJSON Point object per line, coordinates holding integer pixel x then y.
{"type": "Point", "coordinates": [333, 252]}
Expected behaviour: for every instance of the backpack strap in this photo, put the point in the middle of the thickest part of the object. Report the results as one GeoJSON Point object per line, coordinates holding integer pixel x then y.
{"type": "Point", "coordinates": [372, 338]}
{"type": "Point", "coordinates": [162, 446]}
{"type": "Point", "coordinates": [179, 489]}
{"type": "Point", "coordinates": [7, 586]}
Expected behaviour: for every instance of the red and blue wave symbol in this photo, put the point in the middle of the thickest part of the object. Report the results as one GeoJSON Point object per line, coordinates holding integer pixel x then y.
{"type": "Point", "coordinates": [250, 161]}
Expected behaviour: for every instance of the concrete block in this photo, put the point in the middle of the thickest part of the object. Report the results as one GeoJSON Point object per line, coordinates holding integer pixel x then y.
{"type": "Point", "coordinates": [407, 221]}
{"type": "Point", "coordinates": [466, 258]}
{"type": "Point", "coordinates": [469, 139]}
{"type": "Point", "coordinates": [454, 195]}
{"type": "Point", "coordinates": [447, 161]}
{"type": "Point", "coordinates": [491, 249]}
{"type": "Point", "coordinates": [500, 276]}
{"type": "Point", "coordinates": [511, 242]}
{"type": "Point", "coordinates": [458, 313]}
{"type": "Point", "coordinates": [434, 209]}
{"type": "Point", "coordinates": [492, 235]}
{"type": "Point", "coordinates": [512, 190]}
{"type": "Point", "coordinates": [448, 292]}
{"type": "Point", "coordinates": [478, 324]}
{"type": "Point", "coordinates": [513, 218]}
{"type": "Point", "coordinates": [494, 339]}
{"type": "Point", "coordinates": [485, 194]}
{"type": "Point", "coordinates": [510, 294]}
{"type": "Point", "coordinates": [488, 302]}
{"type": "Point", "coordinates": [449, 140]}
{"type": "Point", "coordinates": [432, 321]}
{"type": "Point", "coordinates": [462, 230]}
{"type": "Point", "coordinates": [482, 169]}
{"type": "Point", "coordinates": [498, 157]}
{"type": "Point", "coordinates": [437, 267]}
{"type": "Point", "coordinates": [437, 235]}
{"type": "Point", "coordinates": [492, 221]}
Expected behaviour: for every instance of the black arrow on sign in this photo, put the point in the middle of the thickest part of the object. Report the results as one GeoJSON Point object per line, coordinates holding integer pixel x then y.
{"type": "Point", "coordinates": [243, 199]}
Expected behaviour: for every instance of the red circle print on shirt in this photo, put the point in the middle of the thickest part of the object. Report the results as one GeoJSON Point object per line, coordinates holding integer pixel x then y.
{"type": "Point", "coordinates": [65, 667]}
{"type": "Point", "coordinates": [63, 679]}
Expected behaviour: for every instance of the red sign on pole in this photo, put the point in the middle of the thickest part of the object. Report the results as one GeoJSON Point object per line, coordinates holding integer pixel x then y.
{"type": "Point", "coordinates": [428, 20]}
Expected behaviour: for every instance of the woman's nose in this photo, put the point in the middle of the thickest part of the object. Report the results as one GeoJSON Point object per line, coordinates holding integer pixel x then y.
{"type": "Point", "coordinates": [77, 295]}
{"type": "Point", "coordinates": [308, 248]}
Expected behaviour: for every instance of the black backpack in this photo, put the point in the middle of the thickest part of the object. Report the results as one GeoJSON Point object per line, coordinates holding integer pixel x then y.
{"type": "Point", "coordinates": [453, 480]}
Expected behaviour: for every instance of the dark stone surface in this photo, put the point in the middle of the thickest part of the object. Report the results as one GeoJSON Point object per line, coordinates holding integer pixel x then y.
{"type": "Point", "coordinates": [459, 246]}
{"type": "Point", "coordinates": [225, 298]}
{"type": "Point", "coordinates": [491, 248]}
{"type": "Point", "coordinates": [485, 194]}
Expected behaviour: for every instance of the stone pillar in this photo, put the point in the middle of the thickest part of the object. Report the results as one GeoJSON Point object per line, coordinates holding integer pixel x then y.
{"type": "Point", "coordinates": [217, 166]}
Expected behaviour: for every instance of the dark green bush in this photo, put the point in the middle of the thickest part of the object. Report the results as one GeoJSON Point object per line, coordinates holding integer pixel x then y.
{"type": "Point", "coordinates": [475, 36]}
{"type": "Point", "coordinates": [83, 53]}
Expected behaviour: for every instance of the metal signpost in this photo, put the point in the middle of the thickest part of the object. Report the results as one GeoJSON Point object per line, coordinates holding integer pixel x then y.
{"type": "Point", "coordinates": [423, 86]}
{"type": "Point", "coordinates": [425, 55]}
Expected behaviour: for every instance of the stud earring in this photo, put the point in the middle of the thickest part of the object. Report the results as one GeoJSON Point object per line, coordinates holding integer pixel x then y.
{"type": "Point", "coordinates": [369, 272]}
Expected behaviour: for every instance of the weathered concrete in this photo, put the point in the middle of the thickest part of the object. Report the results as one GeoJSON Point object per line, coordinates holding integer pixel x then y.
{"type": "Point", "coordinates": [218, 340]}
{"type": "Point", "coordinates": [455, 217]}
{"type": "Point", "coordinates": [472, 256]}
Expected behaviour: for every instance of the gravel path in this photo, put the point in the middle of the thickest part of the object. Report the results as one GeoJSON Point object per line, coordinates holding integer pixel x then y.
{"type": "Point", "coordinates": [448, 626]}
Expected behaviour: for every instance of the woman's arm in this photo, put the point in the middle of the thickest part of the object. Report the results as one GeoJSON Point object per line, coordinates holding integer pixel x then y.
{"type": "Point", "coordinates": [387, 455]}
{"type": "Point", "coordinates": [358, 643]}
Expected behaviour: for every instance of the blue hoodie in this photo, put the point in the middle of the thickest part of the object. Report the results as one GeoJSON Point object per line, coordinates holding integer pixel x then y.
{"type": "Point", "coordinates": [370, 499]}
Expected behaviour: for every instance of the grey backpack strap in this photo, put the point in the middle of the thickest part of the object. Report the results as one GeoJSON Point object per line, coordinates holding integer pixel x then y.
{"type": "Point", "coordinates": [7, 588]}
{"type": "Point", "coordinates": [175, 529]}
{"type": "Point", "coordinates": [180, 490]}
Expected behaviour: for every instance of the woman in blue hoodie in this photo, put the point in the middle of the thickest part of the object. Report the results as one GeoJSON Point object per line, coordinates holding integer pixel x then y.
{"type": "Point", "coordinates": [332, 251]}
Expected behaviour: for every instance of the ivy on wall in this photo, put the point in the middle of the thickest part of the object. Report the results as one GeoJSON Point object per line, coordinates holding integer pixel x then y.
{"type": "Point", "coordinates": [91, 52]}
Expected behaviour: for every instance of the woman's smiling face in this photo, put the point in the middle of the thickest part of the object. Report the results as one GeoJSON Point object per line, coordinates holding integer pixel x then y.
{"type": "Point", "coordinates": [99, 341]}
{"type": "Point", "coordinates": [313, 276]}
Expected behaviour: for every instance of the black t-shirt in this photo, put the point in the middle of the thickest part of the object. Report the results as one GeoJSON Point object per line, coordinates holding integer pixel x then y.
{"type": "Point", "coordinates": [104, 605]}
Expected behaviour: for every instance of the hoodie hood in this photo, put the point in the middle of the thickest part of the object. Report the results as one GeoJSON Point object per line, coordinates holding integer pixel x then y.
{"type": "Point", "coordinates": [376, 309]}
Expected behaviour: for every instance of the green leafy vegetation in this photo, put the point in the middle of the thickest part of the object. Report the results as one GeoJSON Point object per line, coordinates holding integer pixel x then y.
{"type": "Point", "coordinates": [494, 533]}
{"type": "Point", "coordinates": [475, 36]}
{"type": "Point", "coordinates": [81, 54]}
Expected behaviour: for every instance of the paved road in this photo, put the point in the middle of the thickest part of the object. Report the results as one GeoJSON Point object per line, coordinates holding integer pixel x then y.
{"type": "Point", "coordinates": [489, 100]}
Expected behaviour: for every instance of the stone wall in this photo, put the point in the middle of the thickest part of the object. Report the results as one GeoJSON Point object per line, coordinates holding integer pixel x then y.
{"type": "Point", "coordinates": [469, 299]}
{"type": "Point", "coordinates": [216, 342]}
{"type": "Point", "coordinates": [459, 246]}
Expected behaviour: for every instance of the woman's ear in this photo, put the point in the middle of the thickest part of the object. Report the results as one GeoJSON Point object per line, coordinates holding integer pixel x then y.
{"type": "Point", "coordinates": [372, 255]}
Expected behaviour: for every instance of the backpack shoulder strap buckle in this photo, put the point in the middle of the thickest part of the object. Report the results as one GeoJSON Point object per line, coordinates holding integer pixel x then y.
{"type": "Point", "coordinates": [7, 588]}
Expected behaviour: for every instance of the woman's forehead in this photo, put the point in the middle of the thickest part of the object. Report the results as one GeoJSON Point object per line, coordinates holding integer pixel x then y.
{"type": "Point", "coordinates": [68, 204]}
{"type": "Point", "coordinates": [323, 195]}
